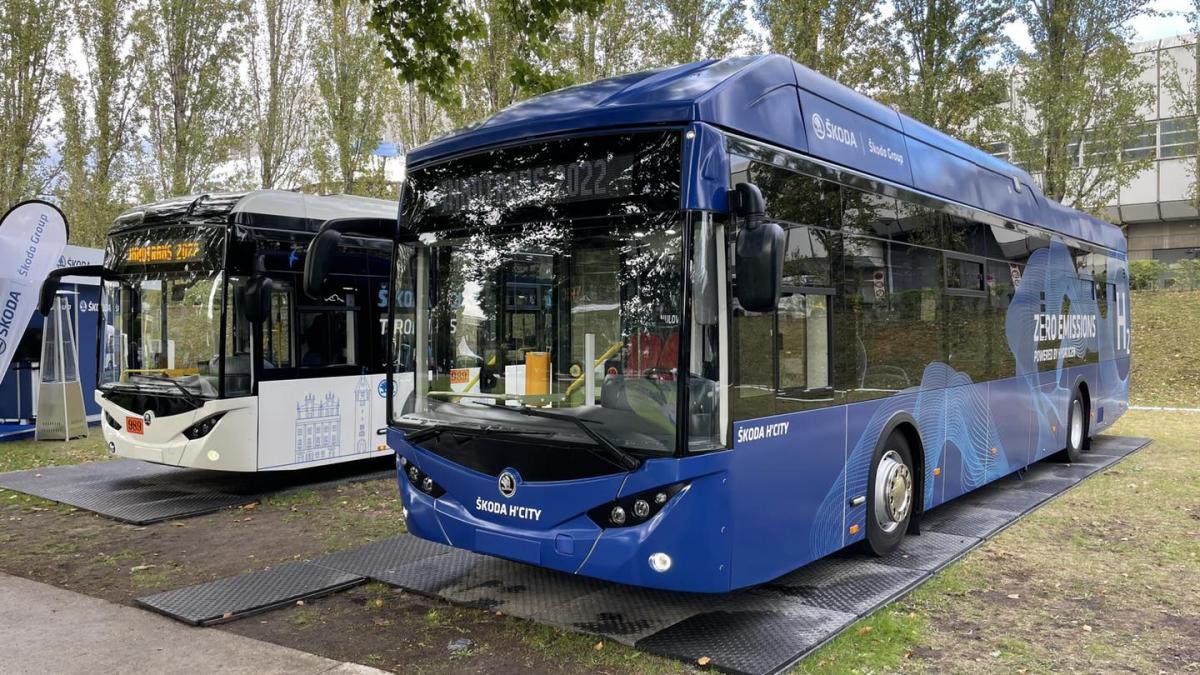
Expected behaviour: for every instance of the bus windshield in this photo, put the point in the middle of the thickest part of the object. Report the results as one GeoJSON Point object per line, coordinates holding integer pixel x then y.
{"type": "Point", "coordinates": [519, 318]}
{"type": "Point", "coordinates": [545, 293]}
{"type": "Point", "coordinates": [163, 332]}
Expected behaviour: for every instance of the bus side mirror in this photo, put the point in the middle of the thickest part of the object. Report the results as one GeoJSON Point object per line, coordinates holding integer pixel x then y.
{"type": "Point", "coordinates": [255, 306]}
{"type": "Point", "coordinates": [316, 263]}
{"type": "Point", "coordinates": [50, 285]}
{"type": "Point", "coordinates": [758, 252]}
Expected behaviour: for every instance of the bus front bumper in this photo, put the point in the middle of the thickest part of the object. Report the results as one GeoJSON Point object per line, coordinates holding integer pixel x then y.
{"type": "Point", "coordinates": [682, 547]}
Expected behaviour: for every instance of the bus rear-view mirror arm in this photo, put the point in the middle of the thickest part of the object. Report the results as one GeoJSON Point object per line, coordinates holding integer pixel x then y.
{"type": "Point", "coordinates": [50, 285]}
{"type": "Point", "coordinates": [758, 251]}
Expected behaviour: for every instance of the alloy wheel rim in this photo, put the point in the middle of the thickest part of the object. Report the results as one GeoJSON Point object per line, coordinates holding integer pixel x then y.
{"type": "Point", "coordinates": [893, 491]}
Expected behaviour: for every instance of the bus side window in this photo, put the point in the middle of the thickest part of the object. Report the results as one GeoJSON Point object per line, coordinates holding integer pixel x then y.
{"type": "Point", "coordinates": [277, 329]}
{"type": "Point", "coordinates": [326, 335]}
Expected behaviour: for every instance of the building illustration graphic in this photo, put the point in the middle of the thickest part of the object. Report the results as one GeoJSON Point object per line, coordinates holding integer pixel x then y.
{"type": "Point", "coordinates": [318, 427]}
{"type": "Point", "coordinates": [362, 416]}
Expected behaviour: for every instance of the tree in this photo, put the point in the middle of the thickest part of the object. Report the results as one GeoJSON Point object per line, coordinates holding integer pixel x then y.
{"type": "Point", "coordinates": [1184, 88]}
{"type": "Point", "coordinates": [422, 40]}
{"type": "Point", "coordinates": [28, 43]}
{"type": "Point", "coordinates": [942, 70]}
{"type": "Point", "coordinates": [426, 41]}
{"type": "Point", "coordinates": [1079, 82]}
{"type": "Point", "coordinates": [488, 85]}
{"type": "Point", "coordinates": [690, 30]}
{"type": "Point", "coordinates": [1144, 274]}
{"type": "Point", "coordinates": [279, 73]}
{"type": "Point", "coordinates": [350, 71]}
{"type": "Point", "coordinates": [841, 39]}
{"type": "Point", "coordinates": [99, 119]}
{"type": "Point", "coordinates": [190, 50]}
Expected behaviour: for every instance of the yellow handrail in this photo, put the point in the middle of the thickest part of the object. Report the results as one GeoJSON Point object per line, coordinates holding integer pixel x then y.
{"type": "Point", "coordinates": [616, 347]}
{"type": "Point", "coordinates": [168, 372]}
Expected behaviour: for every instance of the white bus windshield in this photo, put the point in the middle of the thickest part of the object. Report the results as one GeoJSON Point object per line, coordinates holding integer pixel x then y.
{"type": "Point", "coordinates": [163, 333]}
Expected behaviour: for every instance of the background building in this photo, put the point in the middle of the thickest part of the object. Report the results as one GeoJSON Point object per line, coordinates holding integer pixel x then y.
{"type": "Point", "coordinates": [1156, 209]}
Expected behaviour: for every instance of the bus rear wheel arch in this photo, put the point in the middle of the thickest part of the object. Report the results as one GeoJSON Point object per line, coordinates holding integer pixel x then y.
{"type": "Point", "coordinates": [892, 493]}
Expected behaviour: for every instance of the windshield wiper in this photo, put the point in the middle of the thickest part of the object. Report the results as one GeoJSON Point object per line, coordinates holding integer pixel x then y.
{"type": "Point", "coordinates": [615, 455]}
{"type": "Point", "coordinates": [189, 396]}
{"type": "Point", "coordinates": [431, 431]}
{"type": "Point", "coordinates": [434, 430]}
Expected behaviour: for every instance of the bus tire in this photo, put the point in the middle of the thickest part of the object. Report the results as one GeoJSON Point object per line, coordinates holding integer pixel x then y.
{"type": "Point", "coordinates": [891, 495]}
{"type": "Point", "coordinates": [1077, 428]}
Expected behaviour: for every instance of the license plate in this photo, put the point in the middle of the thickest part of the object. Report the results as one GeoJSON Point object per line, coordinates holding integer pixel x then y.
{"type": "Point", "coordinates": [135, 425]}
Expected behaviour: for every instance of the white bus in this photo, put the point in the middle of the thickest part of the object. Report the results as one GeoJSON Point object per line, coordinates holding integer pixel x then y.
{"type": "Point", "coordinates": [212, 356]}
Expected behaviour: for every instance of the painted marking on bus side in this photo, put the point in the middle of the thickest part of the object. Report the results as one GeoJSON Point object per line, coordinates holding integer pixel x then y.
{"type": "Point", "coordinates": [761, 431]}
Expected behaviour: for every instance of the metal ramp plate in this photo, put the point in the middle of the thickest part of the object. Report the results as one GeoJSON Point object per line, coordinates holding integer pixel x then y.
{"type": "Point", "coordinates": [247, 594]}
{"type": "Point", "coordinates": [139, 492]}
{"type": "Point", "coordinates": [764, 629]}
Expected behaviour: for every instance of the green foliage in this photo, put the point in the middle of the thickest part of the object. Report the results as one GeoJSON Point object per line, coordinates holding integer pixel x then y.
{"type": "Point", "coordinates": [1187, 273]}
{"type": "Point", "coordinates": [842, 39]}
{"type": "Point", "coordinates": [189, 50]}
{"type": "Point", "coordinates": [942, 69]}
{"type": "Point", "coordinates": [279, 72]}
{"type": "Point", "coordinates": [1183, 85]}
{"type": "Point", "coordinates": [350, 78]}
{"type": "Point", "coordinates": [690, 30]}
{"type": "Point", "coordinates": [29, 41]}
{"type": "Point", "coordinates": [423, 40]}
{"type": "Point", "coordinates": [1082, 83]}
{"type": "Point", "coordinates": [1143, 274]}
{"type": "Point", "coordinates": [99, 120]}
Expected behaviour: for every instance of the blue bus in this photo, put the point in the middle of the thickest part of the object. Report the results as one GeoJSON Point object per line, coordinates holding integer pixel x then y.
{"type": "Point", "coordinates": [694, 328]}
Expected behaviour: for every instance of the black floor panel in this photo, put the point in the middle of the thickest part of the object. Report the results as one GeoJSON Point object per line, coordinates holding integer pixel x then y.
{"type": "Point", "coordinates": [763, 629]}
{"type": "Point", "coordinates": [1015, 499]}
{"type": "Point", "coordinates": [747, 640]}
{"type": "Point", "coordinates": [141, 493]}
{"type": "Point", "coordinates": [240, 596]}
{"type": "Point", "coordinates": [928, 551]}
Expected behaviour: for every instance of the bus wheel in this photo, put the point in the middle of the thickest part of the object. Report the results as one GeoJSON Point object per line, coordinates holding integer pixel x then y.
{"type": "Point", "coordinates": [1077, 431]}
{"type": "Point", "coordinates": [890, 500]}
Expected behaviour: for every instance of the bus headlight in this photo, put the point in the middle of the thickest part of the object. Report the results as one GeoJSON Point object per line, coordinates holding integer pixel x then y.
{"type": "Point", "coordinates": [660, 562]}
{"type": "Point", "coordinates": [203, 427]}
{"type": "Point", "coordinates": [634, 509]}
{"type": "Point", "coordinates": [421, 482]}
{"type": "Point", "coordinates": [617, 515]}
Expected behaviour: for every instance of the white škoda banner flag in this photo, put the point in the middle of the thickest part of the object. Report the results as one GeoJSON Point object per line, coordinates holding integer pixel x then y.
{"type": "Point", "coordinates": [32, 237]}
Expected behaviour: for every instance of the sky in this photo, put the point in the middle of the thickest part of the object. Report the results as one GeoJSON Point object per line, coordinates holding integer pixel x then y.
{"type": "Point", "coordinates": [1170, 22]}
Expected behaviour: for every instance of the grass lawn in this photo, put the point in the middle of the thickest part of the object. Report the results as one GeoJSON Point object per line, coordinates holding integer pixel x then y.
{"type": "Point", "coordinates": [18, 455]}
{"type": "Point", "coordinates": [1104, 578]}
{"type": "Point", "coordinates": [1166, 348]}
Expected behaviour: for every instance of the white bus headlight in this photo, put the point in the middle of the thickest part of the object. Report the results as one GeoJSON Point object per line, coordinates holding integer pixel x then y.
{"type": "Point", "coordinates": [203, 427]}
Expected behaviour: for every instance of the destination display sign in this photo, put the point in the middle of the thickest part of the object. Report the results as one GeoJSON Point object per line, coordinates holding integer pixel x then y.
{"type": "Point", "coordinates": [598, 178]}
{"type": "Point", "coordinates": [167, 252]}
{"type": "Point", "coordinates": [165, 248]}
